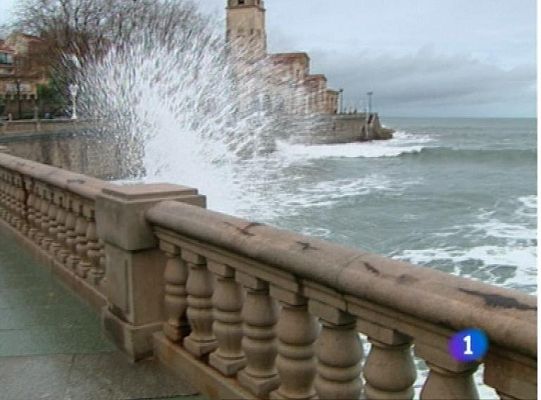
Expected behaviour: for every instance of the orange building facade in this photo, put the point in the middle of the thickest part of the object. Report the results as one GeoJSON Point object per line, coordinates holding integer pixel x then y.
{"type": "Point", "coordinates": [246, 34]}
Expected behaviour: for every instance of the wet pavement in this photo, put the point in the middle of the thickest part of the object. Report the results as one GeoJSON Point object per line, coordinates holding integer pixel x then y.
{"type": "Point", "coordinates": [51, 346]}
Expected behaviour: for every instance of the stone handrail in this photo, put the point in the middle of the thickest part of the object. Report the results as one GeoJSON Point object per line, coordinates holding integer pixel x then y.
{"type": "Point", "coordinates": [41, 126]}
{"type": "Point", "coordinates": [279, 315]}
{"type": "Point", "coordinates": [55, 209]}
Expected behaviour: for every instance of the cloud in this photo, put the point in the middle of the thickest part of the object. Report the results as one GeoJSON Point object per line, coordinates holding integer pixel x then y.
{"type": "Point", "coordinates": [431, 83]}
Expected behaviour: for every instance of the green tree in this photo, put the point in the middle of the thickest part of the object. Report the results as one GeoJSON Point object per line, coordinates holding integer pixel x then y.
{"type": "Point", "coordinates": [51, 99]}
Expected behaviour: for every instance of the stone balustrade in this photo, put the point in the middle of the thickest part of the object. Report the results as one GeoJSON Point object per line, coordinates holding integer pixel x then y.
{"type": "Point", "coordinates": [54, 212]}
{"type": "Point", "coordinates": [257, 312]}
{"type": "Point", "coordinates": [244, 310]}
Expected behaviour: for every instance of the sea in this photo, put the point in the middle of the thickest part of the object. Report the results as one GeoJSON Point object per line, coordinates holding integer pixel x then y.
{"type": "Point", "coordinates": [456, 195]}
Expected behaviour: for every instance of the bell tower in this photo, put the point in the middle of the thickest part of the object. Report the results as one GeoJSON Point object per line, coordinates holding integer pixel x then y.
{"type": "Point", "coordinates": [246, 31]}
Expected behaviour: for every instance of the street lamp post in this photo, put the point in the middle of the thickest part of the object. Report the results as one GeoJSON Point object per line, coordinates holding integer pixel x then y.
{"type": "Point", "coordinates": [19, 104]}
{"type": "Point", "coordinates": [370, 102]}
{"type": "Point", "coordinates": [73, 88]}
{"type": "Point", "coordinates": [341, 100]}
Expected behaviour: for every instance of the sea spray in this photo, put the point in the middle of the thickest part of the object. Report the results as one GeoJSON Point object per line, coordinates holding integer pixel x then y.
{"type": "Point", "coordinates": [183, 110]}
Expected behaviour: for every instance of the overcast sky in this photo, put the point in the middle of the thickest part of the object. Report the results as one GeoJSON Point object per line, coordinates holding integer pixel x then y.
{"type": "Point", "coordinates": [420, 57]}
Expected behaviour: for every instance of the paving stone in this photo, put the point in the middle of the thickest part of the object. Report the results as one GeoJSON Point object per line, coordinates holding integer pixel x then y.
{"type": "Point", "coordinates": [108, 376]}
{"type": "Point", "coordinates": [52, 347]}
{"type": "Point", "coordinates": [34, 377]}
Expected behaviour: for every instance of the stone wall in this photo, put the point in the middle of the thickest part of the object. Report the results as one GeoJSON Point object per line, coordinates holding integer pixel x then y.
{"type": "Point", "coordinates": [347, 128]}
{"type": "Point", "coordinates": [65, 144]}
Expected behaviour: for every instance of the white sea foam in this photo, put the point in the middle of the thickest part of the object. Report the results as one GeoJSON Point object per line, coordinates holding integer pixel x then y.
{"type": "Point", "coordinates": [270, 200]}
{"type": "Point", "coordinates": [402, 143]}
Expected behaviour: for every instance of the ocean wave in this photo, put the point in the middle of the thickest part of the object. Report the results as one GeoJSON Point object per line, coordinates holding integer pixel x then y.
{"type": "Point", "coordinates": [324, 194]}
{"type": "Point", "coordinates": [527, 207]}
{"type": "Point", "coordinates": [457, 154]}
{"type": "Point", "coordinates": [402, 143]}
{"type": "Point", "coordinates": [508, 266]}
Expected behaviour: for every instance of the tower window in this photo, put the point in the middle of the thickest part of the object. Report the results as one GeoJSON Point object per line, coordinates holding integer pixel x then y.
{"type": "Point", "coordinates": [241, 2]}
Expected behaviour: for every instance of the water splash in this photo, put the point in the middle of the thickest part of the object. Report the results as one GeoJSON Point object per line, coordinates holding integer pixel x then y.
{"type": "Point", "coordinates": [184, 111]}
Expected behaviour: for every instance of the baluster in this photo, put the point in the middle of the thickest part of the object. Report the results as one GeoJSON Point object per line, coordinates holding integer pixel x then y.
{"type": "Point", "coordinates": [93, 253]}
{"type": "Point", "coordinates": [297, 331]}
{"type": "Point", "coordinates": [65, 229]}
{"type": "Point", "coordinates": [36, 220]}
{"type": "Point", "coordinates": [58, 226]}
{"type": "Point", "coordinates": [10, 201]}
{"type": "Point", "coordinates": [79, 264]}
{"type": "Point", "coordinates": [201, 340]}
{"type": "Point", "coordinates": [102, 261]}
{"type": "Point", "coordinates": [44, 216]}
{"type": "Point", "coordinates": [73, 233]}
{"type": "Point", "coordinates": [176, 326]}
{"type": "Point", "coordinates": [29, 206]}
{"type": "Point", "coordinates": [83, 264]}
{"type": "Point", "coordinates": [44, 210]}
{"type": "Point", "coordinates": [14, 200]}
{"type": "Point", "coordinates": [22, 204]}
{"type": "Point", "coordinates": [339, 353]}
{"type": "Point", "coordinates": [259, 313]}
{"type": "Point", "coordinates": [50, 228]}
{"type": "Point", "coordinates": [3, 210]}
{"type": "Point", "coordinates": [447, 379]}
{"type": "Point", "coordinates": [17, 208]}
{"type": "Point", "coordinates": [227, 301]}
{"type": "Point", "coordinates": [389, 370]}
{"type": "Point", "coordinates": [2, 194]}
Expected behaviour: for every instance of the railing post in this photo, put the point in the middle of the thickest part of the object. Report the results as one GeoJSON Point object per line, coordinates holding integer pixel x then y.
{"type": "Point", "coordinates": [134, 263]}
{"type": "Point", "coordinates": [260, 314]}
{"type": "Point", "coordinates": [447, 378]}
{"type": "Point", "coordinates": [297, 331]}
{"type": "Point", "coordinates": [176, 325]}
{"type": "Point", "coordinates": [339, 353]}
{"type": "Point", "coordinates": [201, 340]}
{"type": "Point", "coordinates": [389, 369]}
{"type": "Point", "coordinates": [59, 229]}
{"type": "Point", "coordinates": [227, 301]}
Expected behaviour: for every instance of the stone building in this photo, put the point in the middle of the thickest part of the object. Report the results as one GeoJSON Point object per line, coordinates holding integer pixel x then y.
{"type": "Point", "coordinates": [293, 88]}
{"type": "Point", "coordinates": [21, 72]}
{"type": "Point", "coordinates": [247, 36]}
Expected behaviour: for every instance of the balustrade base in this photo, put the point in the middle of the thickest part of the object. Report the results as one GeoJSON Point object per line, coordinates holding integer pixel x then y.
{"type": "Point", "coordinates": [225, 366]}
{"type": "Point", "coordinates": [134, 340]}
{"type": "Point", "coordinates": [200, 349]}
{"type": "Point", "coordinates": [203, 377]}
{"type": "Point", "coordinates": [176, 333]}
{"type": "Point", "coordinates": [260, 387]}
{"type": "Point", "coordinates": [277, 396]}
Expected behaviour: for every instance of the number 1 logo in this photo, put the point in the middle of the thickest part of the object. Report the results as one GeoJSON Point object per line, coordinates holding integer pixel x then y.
{"type": "Point", "coordinates": [468, 345]}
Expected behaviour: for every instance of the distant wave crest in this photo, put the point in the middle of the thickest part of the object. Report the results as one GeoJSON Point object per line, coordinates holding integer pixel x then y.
{"type": "Point", "coordinates": [403, 143]}
{"type": "Point", "coordinates": [450, 153]}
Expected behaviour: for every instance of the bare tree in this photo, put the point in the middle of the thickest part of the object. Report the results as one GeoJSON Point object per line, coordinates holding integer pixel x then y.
{"type": "Point", "coordinates": [75, 32]}
{"type": "Point", "coordinates": [87, 28]}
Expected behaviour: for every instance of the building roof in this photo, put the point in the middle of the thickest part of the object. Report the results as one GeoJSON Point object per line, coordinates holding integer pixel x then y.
{"type": "Point", "coordinates": [289, 57]}
{"type": "Point", "coordinates": [4, 48]}
{"type": "Point", "coordinates": [27, 36]}
{"type": "Point", "coordinates": [316, 77]}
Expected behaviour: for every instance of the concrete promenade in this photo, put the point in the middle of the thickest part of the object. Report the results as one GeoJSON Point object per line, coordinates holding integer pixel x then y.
{"type": "Point", "coordinates": [51, 345]}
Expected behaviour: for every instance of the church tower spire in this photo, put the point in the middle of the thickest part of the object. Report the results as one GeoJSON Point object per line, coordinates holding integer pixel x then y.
{"type": "Point", "coordinates": [246, 30]}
